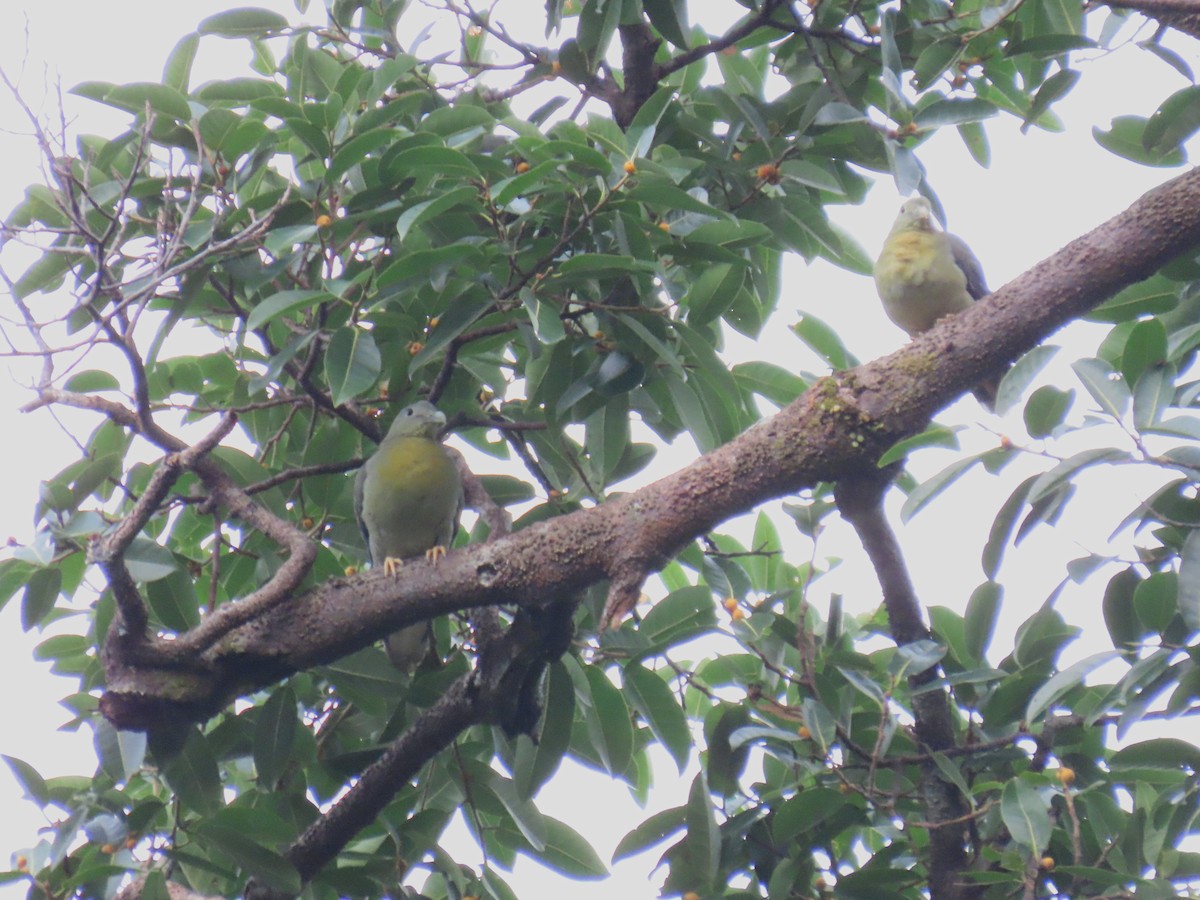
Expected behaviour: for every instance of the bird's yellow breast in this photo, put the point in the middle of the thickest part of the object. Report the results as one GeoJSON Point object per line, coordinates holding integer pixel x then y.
{"type": "Point", "coordinates": [919, 281]}
{"type": "Point", "coordinates": [411, 497]}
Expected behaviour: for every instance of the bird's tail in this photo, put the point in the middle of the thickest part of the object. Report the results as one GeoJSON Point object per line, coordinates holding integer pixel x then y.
{"type": "Point", "coordinates": [985, 392]}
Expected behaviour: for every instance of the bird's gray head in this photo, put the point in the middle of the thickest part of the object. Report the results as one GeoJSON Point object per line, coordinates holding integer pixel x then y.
{"type": "Point", "coordinates": [421, 419]}
{"type": "Point", "coordinates": [915, 213]}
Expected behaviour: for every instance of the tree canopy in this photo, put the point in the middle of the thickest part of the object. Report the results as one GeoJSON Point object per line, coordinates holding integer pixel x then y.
{"type": "Point", "coordinates": [550, 230]}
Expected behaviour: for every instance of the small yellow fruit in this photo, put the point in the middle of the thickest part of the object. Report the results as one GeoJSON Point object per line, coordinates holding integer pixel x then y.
{"type": "Point", "coordinates": [351, 570]}
{"type": "Point", "coordinates": [730, 603]}
{"type": "Point", "coordinates": [22, 863]}
{"type": "Point", "coordinates": [306, 523]}
{"type": "Point", "coordinates": [691, 895]}
{"type": "Point", "coordinates": [804, 733]}
{"type": "Point", "coordinates": [630, 167]}
{"type": "Point", "coordinates": [324, 221]}
{"type": "Point", "coordinates": [844, 788]}
{"type": "Point", "coordinates": [1047, 863]}
{"type": "Point", "coordinates": [736, 156]}
{"type": "Point", "coordinates": [415, 347]}
{"type": "Point", "coordinates": [1065, 776]}
{"type": "Point", "coordinates": [664, 226]}
{"type": "Point", "coordinates": [556, 68]}
{"type": "Point", "coordinates": [768, 172]}
{"type": "Point", "coordinates": [555, 494]}
{"type": "Point", "coordinates": [522, 167]}
{"type": "Point", "coordinates": [130, 843]}
{"type": "Point", "coordinates": [383, 392]}
{"type": "Point", "coordinates": [108, 848]}
{"type": "Point", "coordinates": [433, 322]}
{"type": "Point", "coordinates": [737, 614]}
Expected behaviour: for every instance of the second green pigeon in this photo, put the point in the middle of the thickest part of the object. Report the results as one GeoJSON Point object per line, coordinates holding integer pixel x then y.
{"type": "Point", "coordinates": [408, 497]}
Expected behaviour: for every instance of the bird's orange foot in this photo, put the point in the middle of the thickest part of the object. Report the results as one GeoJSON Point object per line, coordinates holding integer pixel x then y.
{"type": "Point", "coordinates": [433, 554]}
{"type": "Point", "coordinates": [392, 565]}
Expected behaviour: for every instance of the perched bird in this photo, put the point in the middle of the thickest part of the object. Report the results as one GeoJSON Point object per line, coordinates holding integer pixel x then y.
{"type": "Point", "coordinates": [923, 274]}
{"type": "Point", "coordinates": [407, 498]}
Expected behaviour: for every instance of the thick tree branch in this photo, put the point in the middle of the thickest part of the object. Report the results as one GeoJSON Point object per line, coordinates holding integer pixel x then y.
{"type": "Point", "coordinates": [838, 428]}
{"type": "Point", "coordinates": [860, 501]}
{"type": "Point", "coordinates": [1182, 15]}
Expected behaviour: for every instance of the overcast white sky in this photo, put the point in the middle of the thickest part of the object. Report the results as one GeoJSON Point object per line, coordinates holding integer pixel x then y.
{"type": "Point", "coordinates": [1041, 191]}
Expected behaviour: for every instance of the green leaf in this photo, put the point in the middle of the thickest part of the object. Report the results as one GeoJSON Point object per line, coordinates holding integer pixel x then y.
{"type": "Point", "coordinates": [522, 812]}
{"type": "Point", "coordinates": [1026, 816]}
{"type": "Point", "coordinates": [1174, 122]}
{"type": "Point", "coordinates": [653, 830]}
{"type": "Point", "coordinates": [274, 736]}
{"type": "Point", "coordinates": [975, 138]}
{"type": "Point", "coordinates": [768, 380]}
{"type": "Point", "coordinates": [610, 725]}
{"type": "Point", "coordinates": [41, 594]}
{"type": "Point", "coordinates": [712, 293]}
{"type": "Point", "coordinates": [1062, 683]}
{"type": "Point", "coordinates": [933, 436]}
{"type": "Point", "coordinates": [1021, 375]}
{"type": "Point", "coordinates": [148, 561]}
{"type": "Point", "coordinates": [1156, 294]}
{"type": "Point", "coordinates": [121, 753]}
{"type": "Point", "coordinates": [820, 723]}
{"type": "Point", "coordinates": [825, 341]}
{"type": "Point", "coordinates": [1126, 139]}
{"type": "Point", "coordinates": [1045, 410]}
{"type": "Point", "coordinates": [246, 22]}
{"type": "Point", "coordinates": [979, 622]}
{"type": "Point", "coordinates": [1105, 386]}
{"type": "Point", "coordinates": [216, 127]}
{"type": "Point", "coordinates": [703, 841]}
{"type": "Point", "coordinates": [679, 616]}
{"type": "Point", "coordinates": [914, 658]}
{"type": "Point", "coordinates": [1189, 581]}
{"type": "Point", "coordinates": [352, 363]}
{"type": "Point", "coordinates": [178, 70]}
{"type": "Point", "coordinates": [1145, 348]}
{"type": "Point", "coordinates": [669, 18]}
{"type": "Point", "coordinates": [567, 852]}
{"type": "Point", "coordinates": [1120, 615]}
{"type": "Point", "coordinates": [1052, 90]}
{"type": "Point", "coordinates": [193, 775]}
{"type": "Point", "coordinates": [654, 701]}
{"type": "Point", "coordinates": [805, 812]}
{"type": "Point", "coordinates": [32, 783]}
{"type": "Point", "coordinates": [537, 763]}
{"type": "Point", "coordinates": [252, 857]}
{"type": "Point", "coordinates": [1153, 395]}
{"type": "Point", "coordinates": [430, 209]}
{"type": "Point", "coordinates": [137, 97]}
{"type": "Point", "coordinates": [283, 303]}
{"type": "Point", "coordinates": [1050, 481]}
{"type": "Point", "coordinates": [954, 112]}
{"type": "Point", "coordinates": [920, 496]}
{"type": "Point", "coordinates": [865, 686]}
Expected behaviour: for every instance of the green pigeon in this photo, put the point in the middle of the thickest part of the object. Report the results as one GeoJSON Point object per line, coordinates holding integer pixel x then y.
{"type": "Point", "coordinates": [408, 497]}
{"type": "Point", "coordinates": [924, 273]}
